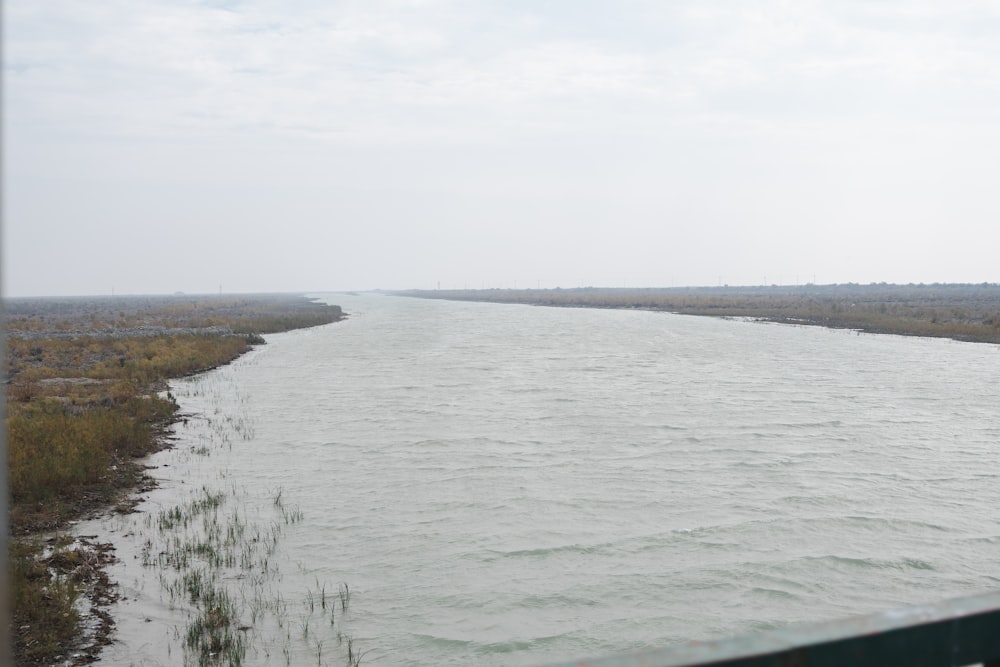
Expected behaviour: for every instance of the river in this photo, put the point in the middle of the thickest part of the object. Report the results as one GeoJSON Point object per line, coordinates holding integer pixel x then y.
{"type": "Point", "coordinates": [515, 485]}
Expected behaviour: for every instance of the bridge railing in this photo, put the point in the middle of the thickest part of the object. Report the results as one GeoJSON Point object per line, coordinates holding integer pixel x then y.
{"type": "Point", "coordinates": [952, 633]}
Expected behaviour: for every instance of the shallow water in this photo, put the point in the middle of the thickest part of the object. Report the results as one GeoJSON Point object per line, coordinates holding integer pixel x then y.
{"type": "Point", "coordinates": [504, 485]}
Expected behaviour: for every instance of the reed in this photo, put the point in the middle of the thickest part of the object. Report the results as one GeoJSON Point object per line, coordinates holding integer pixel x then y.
{"type": "Point", "coordinates": [203, 545]}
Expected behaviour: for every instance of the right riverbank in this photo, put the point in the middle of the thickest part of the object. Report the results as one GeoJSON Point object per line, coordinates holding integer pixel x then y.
{"type": "Point", "coordinates": [964, 312]}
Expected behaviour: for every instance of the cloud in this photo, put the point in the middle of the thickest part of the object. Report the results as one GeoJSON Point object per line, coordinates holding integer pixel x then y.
{"type": "Point", "coordinates": [680, 120]}
{"type": "Point", "coordinates": [373, 70]}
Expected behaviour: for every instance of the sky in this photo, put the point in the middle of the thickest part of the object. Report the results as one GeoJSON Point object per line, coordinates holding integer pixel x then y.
{"type": "Point", "coordinates": [308, 145]}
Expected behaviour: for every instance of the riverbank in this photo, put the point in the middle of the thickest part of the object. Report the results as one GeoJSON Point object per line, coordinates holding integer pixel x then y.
{"type": "Point", "coordinates": [85, 384]}
{"type": "Point", "coordinates": [959, 311]}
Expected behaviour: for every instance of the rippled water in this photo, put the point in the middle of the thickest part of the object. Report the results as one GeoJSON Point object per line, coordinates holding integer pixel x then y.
{"type": "Point", "coordinates": [505, 484]}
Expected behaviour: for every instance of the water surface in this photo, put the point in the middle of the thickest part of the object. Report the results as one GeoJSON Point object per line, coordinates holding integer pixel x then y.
{"type": "Point", "coordinates": [507, 484]}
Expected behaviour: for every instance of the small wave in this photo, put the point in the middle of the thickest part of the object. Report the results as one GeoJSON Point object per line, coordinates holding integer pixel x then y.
{"type": "Point", "coordinates": [771, 463]}
{"type": "Point", "coordinates": [549, 551]}
{"type": "Point", "coordinates": [773, 593]}
{"type": "Point", "coordinates": [833, 423]}
{"type": "Point", "coordinates": [731, 535]}
{"type": "Point", "coordinates": [882, 523]}
{"type": "Point", "coordinates": [445, 642]}
{"type": "Point", "coordinates": [815, 501]}
{"type": "Point", "coordinates": [518, 645]}
{"type": "Point", "coordinates": [668, 427]}
{"type": "Point", "coordinates": [481, 648]}
{"type": "Point", "coordinates": [845, 562]}
{"type": "Point", "coordinates": [557, 600]}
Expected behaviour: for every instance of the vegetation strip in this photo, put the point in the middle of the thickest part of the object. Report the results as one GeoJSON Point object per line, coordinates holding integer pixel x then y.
{"type": "Point", "coordinates": [959, 311]}
{"type": "Point", "coordinates": [85, 384]}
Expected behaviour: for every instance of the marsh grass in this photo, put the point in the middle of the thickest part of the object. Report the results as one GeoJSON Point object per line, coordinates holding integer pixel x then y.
{"type": "Point", "coordinates": [289, 514]}
{"type": "Point", "coordinates": [216, 557]}
{"type": "Point", "coordinates": [58, 450]}
{"type": "Point", "coordinates": [212, 635]}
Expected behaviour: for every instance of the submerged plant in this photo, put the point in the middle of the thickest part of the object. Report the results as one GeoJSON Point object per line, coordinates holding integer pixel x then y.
{"type": "Point", "coordinates": [209, 542]}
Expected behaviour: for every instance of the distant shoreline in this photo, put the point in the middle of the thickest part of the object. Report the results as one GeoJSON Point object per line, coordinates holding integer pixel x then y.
{"type": "Point", "coordinates": [963, 312]}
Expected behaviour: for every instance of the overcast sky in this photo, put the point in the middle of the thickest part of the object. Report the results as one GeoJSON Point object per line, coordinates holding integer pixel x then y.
{"type": "Point", "coordinates": [276, 145]}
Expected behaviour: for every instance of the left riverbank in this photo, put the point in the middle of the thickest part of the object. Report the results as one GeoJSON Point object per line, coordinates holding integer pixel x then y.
{"type": "Point", "coordinates": [86, 401]}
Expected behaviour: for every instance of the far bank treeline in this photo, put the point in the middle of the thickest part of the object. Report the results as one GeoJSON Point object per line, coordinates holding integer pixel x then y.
{"type": "Point", "coordinates": [85, 383]}
{"type": "Point", "coordinates": [964, 312]}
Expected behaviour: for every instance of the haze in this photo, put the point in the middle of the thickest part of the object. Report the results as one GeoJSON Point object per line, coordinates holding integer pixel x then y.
{"type": "Point", "coordinates": [153, 147]}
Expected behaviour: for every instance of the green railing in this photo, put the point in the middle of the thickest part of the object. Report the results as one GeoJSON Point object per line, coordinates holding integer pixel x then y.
{"type": "Point", "coordinates": [963, 631]}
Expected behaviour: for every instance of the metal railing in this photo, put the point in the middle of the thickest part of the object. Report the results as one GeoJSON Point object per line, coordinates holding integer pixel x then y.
{"type": "Point", "coordinates": [962, 631]}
